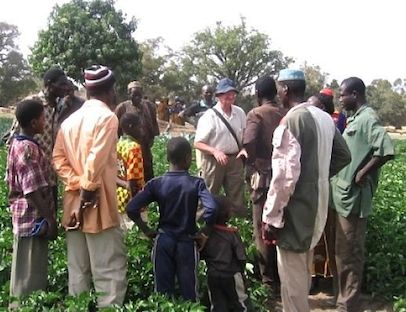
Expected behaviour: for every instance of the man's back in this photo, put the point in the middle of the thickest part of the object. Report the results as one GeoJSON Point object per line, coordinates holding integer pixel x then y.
{"type": "Point", "coordinates": [302, 156]}
{"type": "Point", "coordinates": [261, 123]}
{"type": "Point", "coordinates": [87, 141]}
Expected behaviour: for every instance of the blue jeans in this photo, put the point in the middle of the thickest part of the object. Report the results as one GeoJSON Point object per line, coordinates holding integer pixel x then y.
{"type": "Point", "coordinates": [175, 257]}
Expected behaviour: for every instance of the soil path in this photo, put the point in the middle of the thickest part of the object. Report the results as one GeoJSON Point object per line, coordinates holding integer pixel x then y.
{"type": "Point", "coordinates": [322, 301]}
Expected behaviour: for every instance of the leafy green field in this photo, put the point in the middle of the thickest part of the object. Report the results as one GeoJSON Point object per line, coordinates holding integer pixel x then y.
{"type": "Point", "coordinates": [385, 268]}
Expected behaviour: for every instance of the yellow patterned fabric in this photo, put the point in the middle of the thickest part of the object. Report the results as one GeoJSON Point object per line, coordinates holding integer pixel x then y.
{"type": "Point", "coordinates": [130, 167]}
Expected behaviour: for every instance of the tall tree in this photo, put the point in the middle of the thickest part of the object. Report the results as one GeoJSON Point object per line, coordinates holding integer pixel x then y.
{"type": "Point", "coordinates": [16, 80]}
{"type": "Point", "coordinates": [81, 33]}
{"type": "Point", "coordinates": [236, 52]}
{"type": "Point", "coordinates": [315, 79]}
{"type": "Point", "coordinates": [389, 104]}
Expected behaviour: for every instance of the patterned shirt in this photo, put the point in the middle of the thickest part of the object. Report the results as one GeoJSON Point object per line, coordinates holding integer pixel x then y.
{"type": "Point", "coordinates": [46, 139]}
{"type": "Point", "coordinates": [27, 172]}
{"type": "Point", "coordinates": [147, 114]}
{"type": "Point", "coordinates": [130, 167]}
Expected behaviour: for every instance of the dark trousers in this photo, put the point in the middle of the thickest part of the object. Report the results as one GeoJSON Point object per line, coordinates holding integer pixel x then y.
{"type": "Point", "coordinates": [350, 242]}
{"type": "Point", "coordinates": [147, 160]}
{"type": "Point", "coordinates": [175, 258]}
{"type": "Point", "coordinates": [266, 253]}
{"type": "Point", "coordinates": [227, 293]}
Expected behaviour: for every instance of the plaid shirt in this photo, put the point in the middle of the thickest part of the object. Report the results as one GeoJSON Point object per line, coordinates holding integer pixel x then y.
{"type": "Point", "coordinates": [27, 172]}
{"type": "Point", "coordinates": [46, 139]}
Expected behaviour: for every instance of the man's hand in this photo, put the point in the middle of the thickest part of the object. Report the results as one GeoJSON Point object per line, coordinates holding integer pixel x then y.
{"type": "Point", "coordinates": [220, 157]}
{"type": "Point", "coordinates": [151, 234]}
{"type": "Point", "coordinates": [74, 222]}
{"type": "Point", "coordinates": [52, 230]}
{"type": "Point", "coordinates": [201, 240]}
{"type": "Point", "coordinates": [88, 199]}
{"type": "Point", "coordinates": [268, 234]}
{"type": "Point", "coordinates": [242, 154]}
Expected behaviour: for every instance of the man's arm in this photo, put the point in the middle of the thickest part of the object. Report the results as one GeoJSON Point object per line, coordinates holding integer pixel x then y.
{"type": "Point", "coordinates": [133, 209]}
{"type": "Point", "coordinates": [209, 205]}
{"type": "Point", "coordinates": [285, 174]}
{"type": "Point", "coordinates": [62, 166]}
{"type": "Point", "coordinates": [99, 154]}
{"type": "Point", "coordinates": [220, 157]}
{"type": "Point", "coordinates": [251, 135]}
{"type": "Point", "coordinates": [382, 149]}
{"type": "Point", "coordinates": [154, 121]}
{"type": "Point", "coordinates": [375, 163]}
{"type": "Point", "coordinates": [340, 154]}
{"type": "Point", "coordinates": [135, 169]}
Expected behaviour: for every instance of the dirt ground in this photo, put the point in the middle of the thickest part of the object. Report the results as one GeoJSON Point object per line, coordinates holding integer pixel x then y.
{"type": "Point", "coordinates": [322, 301]}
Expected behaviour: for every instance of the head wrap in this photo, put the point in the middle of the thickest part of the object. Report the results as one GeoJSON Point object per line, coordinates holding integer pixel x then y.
{"type": "Point", "coordinates": [327, 91]}
{"type": "Point", "coordinates": [134, 84]}
{"type": "Point", "coordinates": [98, 77]}
{"type": "Point", "coordinates": [291, 74]}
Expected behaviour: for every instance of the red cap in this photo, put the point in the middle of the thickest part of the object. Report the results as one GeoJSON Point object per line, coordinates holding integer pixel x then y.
{"type": "Point", "coordinates": [327, 91]}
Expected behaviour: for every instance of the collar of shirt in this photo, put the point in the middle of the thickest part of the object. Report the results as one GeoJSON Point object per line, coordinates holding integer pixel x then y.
{"type": "Point", "coordinates": [21, 137]}
{"type": "Point", "coordinates": [203, 103]}
{"type": "Point", "coordinates": [219, 109]}
{"type": "Point", "coordinates": [177, 172]}
{"type": "Point", "coordinates": [95, 102]}
{"type": "Point", "coordinates": [357, 113]}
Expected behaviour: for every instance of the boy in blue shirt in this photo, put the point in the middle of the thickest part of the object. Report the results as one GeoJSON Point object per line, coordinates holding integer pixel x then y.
{"type": "Point", "coordinates": [177, 194]}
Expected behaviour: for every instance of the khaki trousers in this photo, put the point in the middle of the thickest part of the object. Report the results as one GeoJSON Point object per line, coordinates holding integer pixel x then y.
{"type": "Point", "coordinates": [101, 256]}
{"type": "Point", "coordinates": [29, 267]}
{"type": "Point", "coordinates": [295, 275]}
{"type": "Point", "coordinates": [350, 242]}
{"type": "Point", "coordinates": [230, 177]}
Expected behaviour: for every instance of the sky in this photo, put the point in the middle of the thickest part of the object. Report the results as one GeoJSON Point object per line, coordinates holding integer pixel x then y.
{"type": "Point", "coordinates": [344, 37]}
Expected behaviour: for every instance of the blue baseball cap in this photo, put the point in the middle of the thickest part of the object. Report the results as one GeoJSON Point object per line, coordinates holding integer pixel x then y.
{"type": "Point", "coordinates": [225, 85]}
{"type": "Point", "coordinates": [291, 74]}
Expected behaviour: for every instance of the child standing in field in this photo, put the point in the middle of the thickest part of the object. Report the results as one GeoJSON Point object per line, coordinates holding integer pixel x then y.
{"type": "Point", "coordinates": [31, 203]}
{"type": "Point", "coordinates": [225, 257]}
{"type": "Point", "coordinates": [177, 194]}
{"type": "Point", "coordinates": [130, 178]}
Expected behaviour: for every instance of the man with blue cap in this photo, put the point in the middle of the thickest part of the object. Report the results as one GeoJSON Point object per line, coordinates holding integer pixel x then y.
{"type": "Point", "coordinates": [307, 150]}
{"type": "Point", "coordinates": [219, 138]}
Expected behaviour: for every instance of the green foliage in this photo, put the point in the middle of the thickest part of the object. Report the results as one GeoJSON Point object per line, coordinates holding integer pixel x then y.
{"type": "Point", "coordinates": [386, 238]}
{"type": "Point", "coordinates": [389, 104]}
{"type": "Point", "coordinates": [315, 79]}
{"type": "Point", "coordinates": [81, 33]}
{"type": "Point", "coordinates": [400, 304]}
{"type": "Point", "coordinates": [236, 52]}
{"type": "Point", "coordinates": [385, 267]}
{"type": "Point", "coordinates": [16, 80]}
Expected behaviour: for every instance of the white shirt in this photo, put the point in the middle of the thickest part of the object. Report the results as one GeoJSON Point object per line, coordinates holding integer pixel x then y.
{"type": "Point", "coordinates": [212, 131]}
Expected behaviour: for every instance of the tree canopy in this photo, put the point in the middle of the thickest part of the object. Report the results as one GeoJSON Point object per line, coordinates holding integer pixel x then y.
{"type": "Point", "coordinates": [15, 75]}
{"type": "Point", "coordinates": [389, 104]}
{"type": "Point", "coordinates": [81, 33]}
{"type": "Point", "coordinates": [237, 52]}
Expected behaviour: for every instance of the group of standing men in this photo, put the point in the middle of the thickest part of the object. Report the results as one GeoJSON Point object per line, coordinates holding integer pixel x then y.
{"type": "Point", "coordinates": [292, 151]}
{"type": "Point", "coordinates": [79, 140]}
